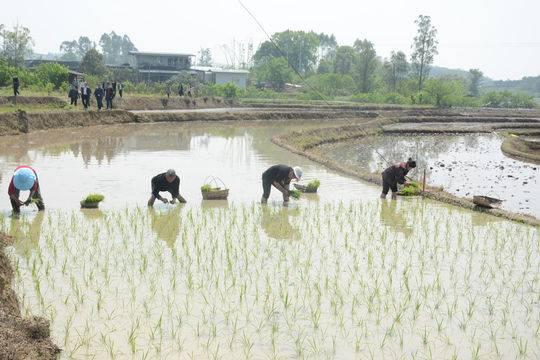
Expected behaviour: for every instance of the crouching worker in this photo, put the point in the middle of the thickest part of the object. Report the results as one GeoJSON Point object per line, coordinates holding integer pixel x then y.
{"type": "Point", "coordinates": [394, 175]}
{"type": "Point", "coordinates": [167, 181]}
{"type": "Point", "coordinates": [280, 177]}
{"type": "Point", "coordinates": [25, 178]}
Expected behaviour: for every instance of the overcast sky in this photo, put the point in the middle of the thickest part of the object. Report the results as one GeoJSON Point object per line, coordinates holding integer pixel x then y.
{"type": "Point", "coordinates": [501, 37]}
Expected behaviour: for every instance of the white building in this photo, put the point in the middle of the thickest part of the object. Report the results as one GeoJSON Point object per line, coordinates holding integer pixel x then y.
{"type": "Point", "coordinates": [214, 75]}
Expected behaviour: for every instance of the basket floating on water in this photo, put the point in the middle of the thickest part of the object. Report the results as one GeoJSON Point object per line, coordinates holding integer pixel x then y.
{"type": "Point", "coordinates": [215, 191]}
{"type": "Point", "coordinates": [486, 201]}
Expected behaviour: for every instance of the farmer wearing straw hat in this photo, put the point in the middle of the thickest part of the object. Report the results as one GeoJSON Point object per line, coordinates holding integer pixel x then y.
{"type": "Point", "coordinates": [280, 177]}
{"type": "Point", "coordinates": [25, 178]}
{"type": "Point", "coordinates": [167, 181]}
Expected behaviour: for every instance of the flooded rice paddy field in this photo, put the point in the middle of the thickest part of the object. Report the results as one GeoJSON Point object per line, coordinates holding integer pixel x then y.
{"type": "Point", "coordinates": [337, 275]}
{"type": "Point", "coordinates": [463, 164]}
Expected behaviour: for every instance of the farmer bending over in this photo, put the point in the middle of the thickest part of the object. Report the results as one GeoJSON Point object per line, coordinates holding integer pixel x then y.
{"type": "Point", "coordinates": [167, 181]}
{"type": "Point", "coordinates": [394, 175]}
{"type": "Point", "coordinates": [280, 177]}
{"type": "Point", "coordinates": [25, 178]}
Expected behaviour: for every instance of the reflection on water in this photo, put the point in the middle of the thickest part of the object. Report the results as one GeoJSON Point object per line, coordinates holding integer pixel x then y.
{"type": "Point", "coordinates": [464, 165]}
{"type": "Point", "coordinates": [119, 161]}
{"type": "Point", "coordinates": [394, 215]}
{"type": "Point", "coordinates": [166, 223]}
{"type": "Point", "coordinates": [276, 222]}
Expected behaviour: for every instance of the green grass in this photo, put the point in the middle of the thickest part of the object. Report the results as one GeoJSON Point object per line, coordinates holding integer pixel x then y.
{"type": "Point", "coordinates": [93, 198]}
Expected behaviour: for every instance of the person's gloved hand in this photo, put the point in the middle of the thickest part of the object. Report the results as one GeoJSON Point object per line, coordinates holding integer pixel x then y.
{"type": "Point", "coordinates": [173, 201]}
{"type": "Point", "coordinates": [165, 201]}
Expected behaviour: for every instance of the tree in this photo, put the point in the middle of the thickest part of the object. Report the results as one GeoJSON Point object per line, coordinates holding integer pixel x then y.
{"type": "Point", "coordinates": [345, 59]}
{"type": "Point", "coordinates": [475, 78]}
{"type": "Point", "coordinates": [299, 48]}
{"type": "Point", "coordinates": [76, 49]}
{"type": "Point", "coordinates": [444, 92]}
{"type": "Point", "coordinates": [116, 48]}
{"type": "Point", "coordinates": [332, 84]}
{"type": "Point", "coordinates": [205, 57]}
{"type": "Point", "coordinates": [424, 48]}
{"type": "Point", "coordinates": [275, 71]}
{"type": "Point", "coordinates": [327, 46]}
{"type": "Point", "coordinates": [92, 63]}
{"type": "Point", "coordinates": [366, 65]}
{"type": "Point", "coordinates": [395, 69]}
{"type": "Point", "coordinates": [16, 44]}
{"type": "Point", "coordinates": [52, 73]}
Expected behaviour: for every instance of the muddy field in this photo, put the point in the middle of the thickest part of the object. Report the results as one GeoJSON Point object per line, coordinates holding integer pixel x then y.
{"type": "Point", "coordinates": [232, 279]}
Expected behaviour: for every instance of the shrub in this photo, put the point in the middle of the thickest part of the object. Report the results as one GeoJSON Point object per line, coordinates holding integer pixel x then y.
{"type": "Point", "coordinates": [506, 99]}
{"type": "Point", "coordinates": [52, 73]}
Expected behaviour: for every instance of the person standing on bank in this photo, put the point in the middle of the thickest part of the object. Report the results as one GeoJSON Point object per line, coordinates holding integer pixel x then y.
{"type": "Point", "coordinates": [109, 95]}
{"type": "Point", "coordinates": [15, 86]}
{"type": "Point", "coordinates": [98, 93]}
{"type": "Point", "coordinates": [280, 177]}
{"type": "Point", "coordinates": [120, 89]}
{"type": "Point", "coordinates": [394, 175]}
{"type": "Point", "coordinates": [167, 181]}
{"type": "Point", "coordinates": [25, 178]}
{"type": "Point", "coordinates": [73, 95]}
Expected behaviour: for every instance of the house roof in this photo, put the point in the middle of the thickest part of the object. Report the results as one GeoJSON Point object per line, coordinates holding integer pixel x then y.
{"type": "Point", "coordinates": [219, 70]}
{"type": "Point", "coordinates": [158, 53]}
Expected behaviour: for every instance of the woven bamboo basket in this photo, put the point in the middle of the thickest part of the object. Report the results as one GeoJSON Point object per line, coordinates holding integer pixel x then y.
{"type": "Point", "coordinates": [219, 189]}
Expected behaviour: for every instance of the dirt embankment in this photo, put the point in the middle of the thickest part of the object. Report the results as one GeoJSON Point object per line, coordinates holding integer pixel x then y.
{"type": "Point", "coordinates": [21, 122]}
{"type": "Point", "coordinates": [171, 103]}
{"type": "Point", "coordinates": [31, 100]}
{"type": "Point", "coordinates": [523, 144]}
{"type": "Point", "coordinates": [307, 143]}
{"type": "Point", "coordinates": [20, 338]}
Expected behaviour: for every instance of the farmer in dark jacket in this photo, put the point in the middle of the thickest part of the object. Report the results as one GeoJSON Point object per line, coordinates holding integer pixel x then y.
{"type": "Point", "coordinates": [394, 175]}
{"type": "Point", "coordinates": [167, 181]}
{"type": "Point", "coordinates": [280, 177]}
{"type": "Point", "coordinates": [73, 95]}
{"type": "Point", "coordinates": [98, 93]}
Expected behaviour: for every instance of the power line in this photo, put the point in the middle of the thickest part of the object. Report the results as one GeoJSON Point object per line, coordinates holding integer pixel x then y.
{"type": "Point", "coordinates": [283, 54]}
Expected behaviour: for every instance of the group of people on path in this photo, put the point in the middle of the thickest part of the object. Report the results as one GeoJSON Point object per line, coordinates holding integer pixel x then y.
{"type": "Point", "coordinates": [105, 90]}
{"type": "Point", "coordinates": [279, 176]}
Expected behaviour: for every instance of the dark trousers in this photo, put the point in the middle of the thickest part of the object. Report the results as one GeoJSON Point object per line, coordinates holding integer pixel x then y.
{"type": "Point", "coordinates": [15, 90]}
{"type": "Point", "coordinates": [37, 197]}
{"type": "Point", "coordinates": [85, 101]}
{"type": "Point", "coordinates": [387, 185]}
{"type": "Point", "coordinates": [74, 101]}
{"type": "Point", "coordinates": [99, 101]}
{"type": "Point", "coordinates": [109, 102]}
{"type": "Point", "coordinates": [267, 186]}
{"type": "Point", "coordinates": [120, 92]}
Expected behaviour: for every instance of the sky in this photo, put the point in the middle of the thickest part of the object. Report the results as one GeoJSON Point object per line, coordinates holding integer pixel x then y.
{"type": "Point", "coordinates": [500, 37]}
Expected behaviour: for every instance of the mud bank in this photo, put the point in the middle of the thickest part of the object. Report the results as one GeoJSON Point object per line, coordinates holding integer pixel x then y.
{"type": "Point", "coordinates": [21, 122]}
{"type": "Point", "coordinates": [20, 338]}
{"type": "Point", "coordinates": [523, 144]}
{"type": "Point", "coordinates": [31, 100]}
{"type": "Point", "coordinates": [171, 103]}
{"type": "Point", "coordinates": [307, 143]}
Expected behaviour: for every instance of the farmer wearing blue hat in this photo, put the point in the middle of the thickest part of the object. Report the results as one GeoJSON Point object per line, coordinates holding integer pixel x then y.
{"type": "Point", "coordinates": [25, 178]}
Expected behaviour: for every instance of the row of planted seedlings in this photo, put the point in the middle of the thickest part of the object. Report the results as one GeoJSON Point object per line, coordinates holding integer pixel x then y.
{"type": "Point", "coordinates": [333, 280]}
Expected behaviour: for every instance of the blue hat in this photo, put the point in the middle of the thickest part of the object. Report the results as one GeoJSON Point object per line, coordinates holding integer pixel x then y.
{"type": "Point", "coordinates": [24, 179]}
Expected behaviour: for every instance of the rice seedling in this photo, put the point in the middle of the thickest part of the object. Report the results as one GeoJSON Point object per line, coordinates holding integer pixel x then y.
{"type": "Point", "coordinates": [344, 283]}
